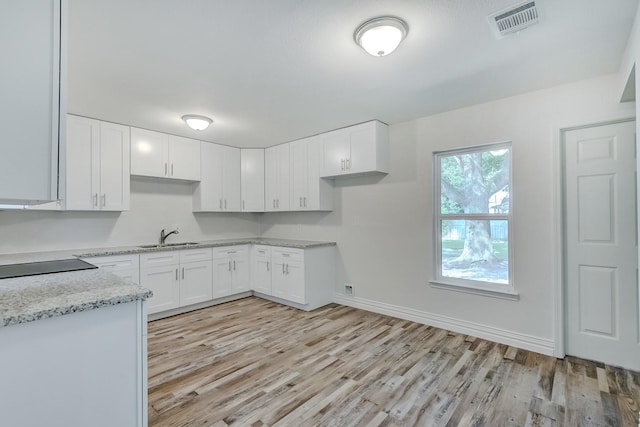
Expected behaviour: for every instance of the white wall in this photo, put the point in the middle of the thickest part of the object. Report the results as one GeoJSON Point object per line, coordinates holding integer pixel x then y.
{"type": "Point", "coordinates": [383, 226]}
{"type": "Point", "coordinates": [155, 204]}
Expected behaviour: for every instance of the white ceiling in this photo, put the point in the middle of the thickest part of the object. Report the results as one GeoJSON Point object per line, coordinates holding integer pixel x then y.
{"type": "Point", "coordinates": [273, 71]}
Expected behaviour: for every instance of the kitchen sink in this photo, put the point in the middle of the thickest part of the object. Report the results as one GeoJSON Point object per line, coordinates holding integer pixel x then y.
{"type": "Point", "coordinates": [168, 245]}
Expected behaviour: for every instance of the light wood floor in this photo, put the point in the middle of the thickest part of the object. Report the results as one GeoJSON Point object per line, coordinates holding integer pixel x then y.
{"type": "Point", "coordinates": [254, 363]}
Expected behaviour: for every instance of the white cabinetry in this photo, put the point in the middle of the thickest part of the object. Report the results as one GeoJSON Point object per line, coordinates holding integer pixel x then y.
{"type": "Point", "coordinates": [196, 278]}
{"type": "Point", "coordinates": [230, 270]}
{"type": "Point", "coordinates": [160, 155]}
{"type": "Point", "coordinates": [261, 269]}
{"type": "Point", "coordinates": [219, 186]}
{"type": "Point", "coordinates": [124, 266]}
{"type": "Point", "coordinates": [177, 278]}
{"type": "Point", "coordinates": [308, 191]}
{"type": "Point", "coordinates": [302, 278]}
{"type": "Point", "coordinates": [356, 150]}
{"type": "Point", "coordinates": [287, 278]}
{"type": "Point", "coordinates": [252, 179]}
{"type": "Point", "coordinates": [277, 179]}
{"type": "Point", "coordinates": [97, 172]}
{"type": "Point", "coordinates": [31, 102]}
{"type": "Point", "coordinates": [159, 271]}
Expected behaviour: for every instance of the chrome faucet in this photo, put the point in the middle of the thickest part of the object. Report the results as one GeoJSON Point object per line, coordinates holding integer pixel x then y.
{"type": "Point", "coordinates": [164, 236]}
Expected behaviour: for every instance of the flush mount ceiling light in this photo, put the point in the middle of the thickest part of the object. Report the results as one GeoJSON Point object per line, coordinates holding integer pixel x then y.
{"type": "Point", "coordinates": [380, 36]}
{"type": "Point", "coordinates": [197, 122]}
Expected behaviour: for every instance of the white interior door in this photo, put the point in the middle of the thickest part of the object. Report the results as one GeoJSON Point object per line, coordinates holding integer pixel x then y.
{"type": "Point", "coordinates": [601, 245]}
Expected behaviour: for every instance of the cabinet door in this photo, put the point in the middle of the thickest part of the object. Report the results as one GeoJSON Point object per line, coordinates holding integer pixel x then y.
{"type": "Point", "coordinates": [362, 154]}
{"type": "Point", "coordinates": [261, 274]}
{"type": "Point", "coordinates": [252, 180]}
{"type": "Point", "coordinates": [240, 276]}
{"type": "Point", "coordinates": [149, 153]}
{"type": "Point", "coordinates": [299, 174]}
{"type": "Point", "coordinates": [184, 158]}
{"type": "Point", "coordinates": [294, 278]}
{"type": "Point", "coordinates": [231, 179]}
{"type": "Point", "coordinates": [207, 196]}
{"type": "Point", "coordinates": [31, 47]}
{"type": "Point", "coordinates": [222, 277]}
{"type": "Point", "coordinates": [335, 145]}
{"type": "Point", "coordinates": [271, 179]}
{"type": "Point", "coordinates": [284, 178]}
{"type": "Point", "coordinates": [114, 167]}
{"type": "Point", "coordinates": [83, 146]}
{"type": "Point", "coordinates": [279, 285]}
{"type": "Point", "coordinates": [196, 282]}
{"type": "Point", "coordinates": [165, 284]}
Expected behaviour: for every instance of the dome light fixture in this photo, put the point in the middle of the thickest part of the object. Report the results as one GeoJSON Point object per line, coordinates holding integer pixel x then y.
{"type": "Point", "coordinates": [196, 122]}
{"type": "Point", "coordinates": [380, 36]}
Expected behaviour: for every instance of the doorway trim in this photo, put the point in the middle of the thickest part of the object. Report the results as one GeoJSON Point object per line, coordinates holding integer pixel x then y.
{"type": "Point", "coordinates": [559, 258]}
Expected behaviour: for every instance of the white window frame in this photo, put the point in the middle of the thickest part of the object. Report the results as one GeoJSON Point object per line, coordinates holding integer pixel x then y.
{"type": "Point", "coordinates": [501, 290]}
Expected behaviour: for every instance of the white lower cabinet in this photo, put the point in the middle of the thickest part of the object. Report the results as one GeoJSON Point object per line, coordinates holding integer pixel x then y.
{"type": "Point", "coordinates": [230, 270]}
{"type": "Point", "coordinates": [302, 278]}
{"type": "Point", "coordinates": [261, 269]}
{"type": "Point", "coordinates": [177, 278]}
{"type": "Point", "coordinates": [196, 282]}
{"type": "Point", "coordinates": [287, 276]}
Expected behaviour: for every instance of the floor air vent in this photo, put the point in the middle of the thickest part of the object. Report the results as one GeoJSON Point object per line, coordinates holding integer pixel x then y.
{"type": "Point", "coordinates": [514, 18]}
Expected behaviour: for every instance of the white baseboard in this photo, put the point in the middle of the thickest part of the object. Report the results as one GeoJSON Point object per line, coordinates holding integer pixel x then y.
{"type": "Point", "coordinates": [515, 339]}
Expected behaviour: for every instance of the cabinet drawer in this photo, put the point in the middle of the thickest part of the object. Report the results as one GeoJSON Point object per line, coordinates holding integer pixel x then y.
{"type": "Point", "coordinates": [152, 259]}
{"type": "Point", "coordinates": [288, 253]}
{"type": "Point", "coordinates": [115, 262]}
{"type": "Point", "coordinates": [261, 250]}
{"type": "Point", "coordinates": [193, 255]}
{"type": "Point", "coordinates": [230, 250]}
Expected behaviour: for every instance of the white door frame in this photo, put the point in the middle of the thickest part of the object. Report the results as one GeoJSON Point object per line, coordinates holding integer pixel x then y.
{"type": "Point", "coordinates": [559, 255]}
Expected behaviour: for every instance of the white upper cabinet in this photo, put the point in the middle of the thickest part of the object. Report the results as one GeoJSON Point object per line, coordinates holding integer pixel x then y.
{"type": "Point", "coordinates": [160, 155]}
{"type": "Point", "coordinates": [277, 179]}
{"type": "Point", "coordinates": [184, 158]}
{"type": "Point", "coordinates": [97, 173]}
{"type": "Point", "coordinates": [149, 153]}
{"type": "Point", "coordinates": [219, 186]}
{"type": "Point", "coordinates": [31, 105]}
{"type": "Point", "coordinates": [252, 179]}
{"type": "Point", "coordinates": [308, 190]}
{"type": "Point", "coordinates": [356, 150]}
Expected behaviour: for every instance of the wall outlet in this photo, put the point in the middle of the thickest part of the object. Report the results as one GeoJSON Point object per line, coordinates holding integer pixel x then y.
{"type": "Point", "coordinates": [348, 290]}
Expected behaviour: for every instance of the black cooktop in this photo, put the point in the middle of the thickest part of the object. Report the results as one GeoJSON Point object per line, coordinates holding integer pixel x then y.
{"type": "Point", "coordinates": [43, 267]}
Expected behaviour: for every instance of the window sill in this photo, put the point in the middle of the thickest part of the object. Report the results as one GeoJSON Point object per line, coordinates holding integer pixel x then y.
{"type": "Point", "coordinates": [511, 296]}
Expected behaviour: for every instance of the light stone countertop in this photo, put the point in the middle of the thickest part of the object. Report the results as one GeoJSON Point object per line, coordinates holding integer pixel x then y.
{"type": "Point", "coordinates": [30, 298]}
{"type": "Point", "coordinates": [26, 299]}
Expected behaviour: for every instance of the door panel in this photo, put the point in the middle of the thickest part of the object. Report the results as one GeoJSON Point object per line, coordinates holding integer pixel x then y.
{"type": "Point", "coordinates": [196, 282]}
{"type": "Point", "coordinates": [149, 153]}
{"type": "Point", "coordinates": [164, 283]}
{"type": "Point", "coordinates": [83, 139]}
{"type": "Point", "coordinates": [221, 277]}
{"type": "Point", "coordinates": [601, 245]}
{"type": "Point", "coordinates": [114, 167]}
{"type": "Point", "coordinates": [184, 157]}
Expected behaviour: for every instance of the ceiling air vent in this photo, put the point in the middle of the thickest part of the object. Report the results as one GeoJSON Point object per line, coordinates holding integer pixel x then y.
{"type": "Point", "coordinates": [514, 18]}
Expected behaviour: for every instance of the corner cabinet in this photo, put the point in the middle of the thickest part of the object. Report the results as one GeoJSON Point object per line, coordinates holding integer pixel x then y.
{"type": "Point", "coordinates": [308, 191]}
{"type": "Point", "coordinates": [97, 172]}
{"type": "Point", "coordinates": [219, 186]}
{"type": "Point", "coordinates": [252, 179]}
{"type": "Point", "coordinates": [159, 155]}
{"type": "Point", "coordinates": [32, 102]}
{"type": "Point", "coordinates": [277, 178]}
{"type": "Point", "coordinates": [356, 150]}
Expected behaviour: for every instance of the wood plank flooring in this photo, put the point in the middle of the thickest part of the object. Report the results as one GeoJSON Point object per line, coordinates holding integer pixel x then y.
{"type": "Point", "coordinates": [252, 362]}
